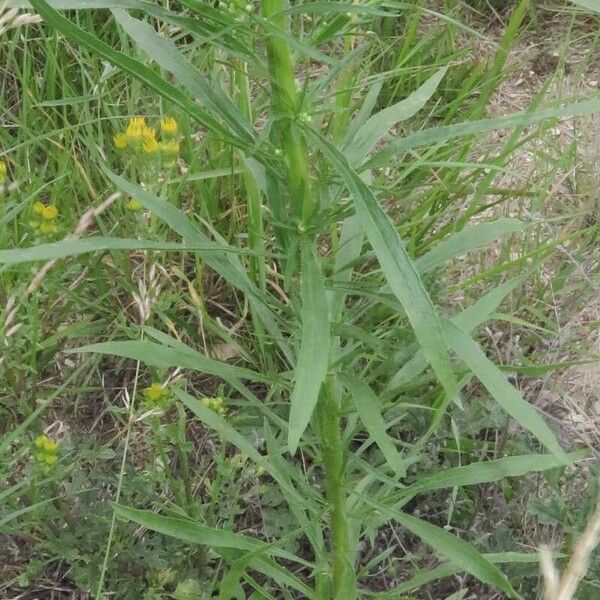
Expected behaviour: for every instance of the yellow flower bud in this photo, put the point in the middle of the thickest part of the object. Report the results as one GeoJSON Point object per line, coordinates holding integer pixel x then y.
{"type": "Point", "coordinates": [49, 213]}
{"type": "Point", "coordinates": [168, 126]}
{"type": "Point", "coordinates": [38, 208]}
{"type": "Point", "coordinates": [47, 228]}
{"type": "Point", "coordinates": [155, 393]}
{"type": "Point", "coordinates": [150, 145]}
{"type": "Point", "coordinates": [121, 140]}
{"type": "Point", "coordinates": [133, 205]}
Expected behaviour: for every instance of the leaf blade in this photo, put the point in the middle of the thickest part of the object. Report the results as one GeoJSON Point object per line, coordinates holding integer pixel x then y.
{"type": "Point", "coordinates": [313, 358]}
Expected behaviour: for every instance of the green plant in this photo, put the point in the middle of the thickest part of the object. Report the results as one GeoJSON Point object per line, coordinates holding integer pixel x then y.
{"type": "Point", "coordinates": [349, 365]}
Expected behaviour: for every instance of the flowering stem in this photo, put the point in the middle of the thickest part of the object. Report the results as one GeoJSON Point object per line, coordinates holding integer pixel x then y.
{"type": "Point", "coordinates": [287, 105]}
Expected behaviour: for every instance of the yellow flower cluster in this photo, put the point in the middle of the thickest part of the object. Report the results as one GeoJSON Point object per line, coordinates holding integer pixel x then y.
{"type": "Point", "coordinates": [140, 137]}
{"type": "Point", "coordinates": [215, 404]}
{"type": "Point", "coordinates": [46, 450]}
{"type": "Point", "coordinates": [2, 172]}
{"type": "Point", "coordinates": [45, 218]}
{"type": "Point", "coordinates": [156, 394]}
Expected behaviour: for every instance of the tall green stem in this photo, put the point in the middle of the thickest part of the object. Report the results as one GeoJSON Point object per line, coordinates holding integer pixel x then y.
{"type": "Point", "coordinates": [332, 448]}
{"type": "Point", "coordinates": [287, 105]}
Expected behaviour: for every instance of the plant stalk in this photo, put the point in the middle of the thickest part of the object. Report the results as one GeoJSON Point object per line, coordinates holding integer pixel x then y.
{"type": "Point", "coordinates": [287, 104]}
{"type": "Point", "coordinates": [332, 448]}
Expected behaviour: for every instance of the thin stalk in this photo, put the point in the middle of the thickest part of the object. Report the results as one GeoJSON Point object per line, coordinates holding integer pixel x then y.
{"type": "Point", "coordinates": [333, 451]}
{"type": "Point", "coordinates": [287, 105]}
{"type": "Point", "coordinates": [253, 195]}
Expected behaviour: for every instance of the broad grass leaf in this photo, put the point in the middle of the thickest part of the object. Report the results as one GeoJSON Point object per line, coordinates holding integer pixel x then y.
{"type": "Point", "coordinates": [397, 267]}
{"type": "Point", "coordinates": [137, 69]}
{"type": "Point", "coordinates": [470, 318]}
{"type": "Point", "coordinates": [194, 533]}
{"type": "Point", "coordinates": [313, 358]}
{"type": "Point", "coordinates": [163, 356]}
{"type": "Point", "coordinates": [498, 386]}
{"type": "Point", "coordinates": [487, 471]}
{"type": "Point", "coordinates": [592, 5]}
{"type": "Point", "coordinates": [438, 135]}
{"type": "Point", "coordinates": [425, 576]}
{"type": "Point", "coordinates": [464, 241]}
{"type": "Point", "coordinates": [369, 410]}
{"type": "Point", "coordinates": [461, 553]}
{"type": "Point", "coordinates": [379, 125]}
{"type": "Point", "coordinates": [69, 247]}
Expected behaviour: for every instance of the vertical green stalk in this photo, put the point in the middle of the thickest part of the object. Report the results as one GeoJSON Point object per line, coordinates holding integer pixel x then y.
{"type": "Point", "coordinates": [287, 105]}
{"type": "Point", "coordinates": [332, 448]}
{"type": "Point", "coordinates": [253, 195]}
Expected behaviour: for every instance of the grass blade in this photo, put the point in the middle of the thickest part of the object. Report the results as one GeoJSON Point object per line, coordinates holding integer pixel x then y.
{"type": "Point", "coordinates": [461, 553]}
{"type": "Point", "coordinates": [158, 355]}
{"type": "Point", "coordinates": [368, 407]}
{"type": "Point", "coordinates": [499, 387]}
{"type": "Point", "coordinates": [380, 123]}
{"type": "Point", "coordinates": [437, 135]}
{"type": "Point", "coordinates": [487, 472]}
{"type": "Point", "coordinates": [68, 247]}
{"type": "Point", "coordinates": [194, 533]}
{"type": "Point", "coordinates": [467, 240]}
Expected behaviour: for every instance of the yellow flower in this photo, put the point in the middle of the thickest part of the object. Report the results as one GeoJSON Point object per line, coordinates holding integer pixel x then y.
{"type": "Point", "coordinates": [50, 458]}
{"type": "Point", "coordinates": [47, 228]}
{"type": "Point", "coordinates": [168, 126]}
{"type": "Point", "coordinates": [155, 393]}
{"type": "Point", "coordinates": [170, 148]}
{"type": "Point", "coordinates": [2, 172]}
{"type": "Point", "coordinates": [133, 205]}
{"type": "Point", "coordinates": [38, 208]}
{"type": "Point", "coordinates": [121, 140]}
{"type": "Point", "coordinates": [150, 146]}
{"type": "Point", "coordinates": [49, 213]}
{"type": "Point", "coordinates": [135, 128]}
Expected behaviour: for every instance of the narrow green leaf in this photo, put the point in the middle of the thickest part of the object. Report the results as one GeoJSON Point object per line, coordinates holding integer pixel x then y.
{"type": "Point", "coordinates": [68, 247]}
{"type": "Point", "coordinates": [368, 406]}
{"type": "Point", "coordinates": [397, 267]}
{"type": "Point", "coordinates": [313, 358]}
{"type": "Point", "coordinates": [229, 434]}
{"type": "Point", "coordinates": [470, 318]}
{"type": "Point", "coordinates": [437, 135]}
{"type": "Point", "coordinates": [158, 355]}
{"type": "Point", "coordinates": [464, 241]}
{"type": "Point", "coordinates": [461, 553]}
{"type": "Point", "coordinates": [135, 68]}
{"type": "Point", "coordinates": [487, 471]}
{"type": "Point", "coordinates": [592, 5]}
{"type": "Point", "coordinates": [194, 533]}
{"type": "Point", "coordinates": [379, 125]}
{"type": "Point", "coordinates": [498, 386]}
